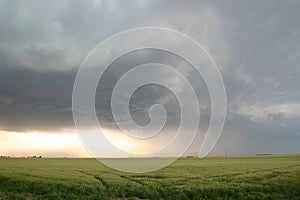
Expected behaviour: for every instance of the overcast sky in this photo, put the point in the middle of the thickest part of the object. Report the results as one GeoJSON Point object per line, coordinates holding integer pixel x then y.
{"type": "Point", "coordinates": [256, 45]}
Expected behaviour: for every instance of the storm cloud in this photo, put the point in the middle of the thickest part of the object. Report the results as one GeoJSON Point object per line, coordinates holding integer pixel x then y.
{"type": "Point", "coordinates": [256, 45]}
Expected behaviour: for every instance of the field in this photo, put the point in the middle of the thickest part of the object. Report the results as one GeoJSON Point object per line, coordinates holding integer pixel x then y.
{"type": "Point", "coordinates": [256, 177]}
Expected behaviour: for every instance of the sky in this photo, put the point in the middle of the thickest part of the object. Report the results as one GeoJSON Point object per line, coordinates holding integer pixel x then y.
{"type": "Point", "coordinates": [256, 46]}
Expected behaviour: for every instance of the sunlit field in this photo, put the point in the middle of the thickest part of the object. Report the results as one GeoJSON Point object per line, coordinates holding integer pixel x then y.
{"type": "Point", "coordinates": [257, 177]}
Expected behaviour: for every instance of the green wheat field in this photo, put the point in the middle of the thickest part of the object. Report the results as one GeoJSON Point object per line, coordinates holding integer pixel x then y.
{"type": "Point", "coordinates": [255, 177]}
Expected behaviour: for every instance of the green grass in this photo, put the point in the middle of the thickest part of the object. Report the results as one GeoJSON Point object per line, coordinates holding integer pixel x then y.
{"type": "Point", "coordinates": [257, 177]}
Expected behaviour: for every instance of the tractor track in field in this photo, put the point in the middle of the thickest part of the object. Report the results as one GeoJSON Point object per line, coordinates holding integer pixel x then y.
{"type": "Point", "coordinates": [143, 184]}
{"type": "Point", "coordinates": [97, 178]}
{"type": "Point", "coordinates": [106, 185]}
{"type": "Point", "coordinates": [101, 180]}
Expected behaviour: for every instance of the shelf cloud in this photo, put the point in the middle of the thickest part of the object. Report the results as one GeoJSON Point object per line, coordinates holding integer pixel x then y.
{"type": "Point", "coordinates": [256, 45]}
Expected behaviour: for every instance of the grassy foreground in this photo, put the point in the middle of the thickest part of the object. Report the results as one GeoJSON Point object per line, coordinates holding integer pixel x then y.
{"type": "Point", "coordinates": [257, 177]}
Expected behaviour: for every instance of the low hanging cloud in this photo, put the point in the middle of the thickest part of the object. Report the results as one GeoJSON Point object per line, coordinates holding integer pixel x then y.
{"type": "Point", "coordinates": [267, 112]}
{"type": "Point", "coordinates": [255, 45]}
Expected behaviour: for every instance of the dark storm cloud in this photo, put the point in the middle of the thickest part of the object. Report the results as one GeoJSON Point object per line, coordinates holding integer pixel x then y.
{"type": "Point", "coordinates": [148, 95]}
{"type": "Point", "coordinates": [256, 46]}
{"type": "Point", "coordinates": [31, 100]}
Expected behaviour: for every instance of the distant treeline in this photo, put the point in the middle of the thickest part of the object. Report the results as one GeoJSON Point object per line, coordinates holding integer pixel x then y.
{"type": "Point", "coordinates": [21, 157]}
